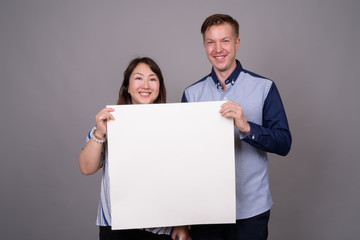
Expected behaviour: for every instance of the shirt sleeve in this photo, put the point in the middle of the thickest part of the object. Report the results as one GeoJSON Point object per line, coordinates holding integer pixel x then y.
{"type": "Point", "coordinates": [274, 134]}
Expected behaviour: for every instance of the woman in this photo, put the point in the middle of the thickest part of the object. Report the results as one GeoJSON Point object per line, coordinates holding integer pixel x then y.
{"type": "Point", "coordinates": [143, 84]}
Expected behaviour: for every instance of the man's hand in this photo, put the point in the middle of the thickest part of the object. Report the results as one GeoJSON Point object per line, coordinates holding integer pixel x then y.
{"type": "Point", "coordinates": [233, 110]}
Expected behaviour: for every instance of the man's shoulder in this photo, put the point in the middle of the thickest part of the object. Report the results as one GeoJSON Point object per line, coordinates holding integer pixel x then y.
{"type": "Point", "coordinates": [196, 91]}
{"type": "Point", "coordinates": [199, 83]}
{"type": "Point", "coordinates": [256, 80]}
{"type": "Point", "coordinates": [255, 75]}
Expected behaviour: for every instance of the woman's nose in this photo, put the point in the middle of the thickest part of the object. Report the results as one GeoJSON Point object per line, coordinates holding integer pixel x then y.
{"type": "Point", "coordinates": [146, 84]}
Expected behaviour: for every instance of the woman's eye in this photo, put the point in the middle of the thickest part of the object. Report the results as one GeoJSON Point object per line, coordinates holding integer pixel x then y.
{"type": "Point", "coordinates": [153, 79]}
{"type": "Point", "coordinates": [138, 78]}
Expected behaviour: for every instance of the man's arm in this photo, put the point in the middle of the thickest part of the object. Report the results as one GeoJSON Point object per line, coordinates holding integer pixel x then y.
{"type": "Point", "coordinates": [274, 135]}
{"type": "Point", "coordinates": [184, 99]}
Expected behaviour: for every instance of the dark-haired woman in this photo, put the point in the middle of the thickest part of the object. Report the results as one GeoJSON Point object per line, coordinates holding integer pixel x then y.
{"type": "Point", "coordinates": [143, 84]}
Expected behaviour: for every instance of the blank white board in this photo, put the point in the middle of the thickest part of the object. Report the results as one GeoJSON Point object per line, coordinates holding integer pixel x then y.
{"type": "Point", "coordinates": [171, 164]}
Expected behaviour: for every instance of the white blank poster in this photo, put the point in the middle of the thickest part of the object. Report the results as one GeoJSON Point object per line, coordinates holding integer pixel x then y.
{"type": "Point", "coordinates": [171, 164]}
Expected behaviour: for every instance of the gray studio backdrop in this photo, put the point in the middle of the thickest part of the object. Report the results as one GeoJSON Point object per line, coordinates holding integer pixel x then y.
{"type": "Point", "coordinates": [62, 61]}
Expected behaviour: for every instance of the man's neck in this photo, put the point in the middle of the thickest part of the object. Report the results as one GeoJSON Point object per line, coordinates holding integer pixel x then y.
{"type": "Point", "coordinates": [223, 75]}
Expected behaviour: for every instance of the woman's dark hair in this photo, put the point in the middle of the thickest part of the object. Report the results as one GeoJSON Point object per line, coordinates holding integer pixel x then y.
{"type": "Point", "coordinates": [125, 97]}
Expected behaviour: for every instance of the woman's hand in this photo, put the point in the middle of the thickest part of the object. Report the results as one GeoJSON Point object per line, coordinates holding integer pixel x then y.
{"type": "Point", "coordinates": [89, 157]}
{"type": "Point", "coordinates": [101, 121]}
{"type": "Point", "coordinates": [180, 233]}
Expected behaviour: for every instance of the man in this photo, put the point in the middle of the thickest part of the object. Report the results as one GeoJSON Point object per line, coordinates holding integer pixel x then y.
{"type": "Point", "coordinates": [255, 105]}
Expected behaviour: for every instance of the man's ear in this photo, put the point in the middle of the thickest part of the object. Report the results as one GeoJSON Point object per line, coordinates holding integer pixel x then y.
{"type": "Point", "coordinates": [237, 43]}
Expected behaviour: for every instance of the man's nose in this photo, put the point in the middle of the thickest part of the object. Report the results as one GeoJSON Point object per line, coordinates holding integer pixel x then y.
{"type": "Point", "coordinates": [218, 47]}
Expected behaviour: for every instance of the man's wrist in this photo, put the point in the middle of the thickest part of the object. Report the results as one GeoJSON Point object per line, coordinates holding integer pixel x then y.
{"type": "Point", "coordinates": [246, 130]}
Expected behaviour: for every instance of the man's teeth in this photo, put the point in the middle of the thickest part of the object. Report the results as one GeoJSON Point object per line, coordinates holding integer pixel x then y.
{"type": "Point", "coordinates": [219, 57]}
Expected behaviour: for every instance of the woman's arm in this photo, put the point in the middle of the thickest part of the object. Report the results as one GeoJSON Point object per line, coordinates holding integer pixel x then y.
{"type": "Point", "coordinates": [89, 157]}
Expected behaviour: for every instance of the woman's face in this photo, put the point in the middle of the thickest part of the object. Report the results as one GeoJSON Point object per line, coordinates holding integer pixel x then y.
{"type": "Point", "coordinates": [144, 85]}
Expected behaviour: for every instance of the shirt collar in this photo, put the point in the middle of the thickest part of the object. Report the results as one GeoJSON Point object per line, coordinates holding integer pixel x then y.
{"type": "Point", "coordinates": [231, 79]}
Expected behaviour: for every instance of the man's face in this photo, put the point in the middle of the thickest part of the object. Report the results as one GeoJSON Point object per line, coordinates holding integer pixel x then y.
{"type": "Point", "coordinates": [221, 45]}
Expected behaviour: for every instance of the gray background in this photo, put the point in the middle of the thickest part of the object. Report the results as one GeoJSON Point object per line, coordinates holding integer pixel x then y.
{"type": "Point", "coordinates": [62, 61]}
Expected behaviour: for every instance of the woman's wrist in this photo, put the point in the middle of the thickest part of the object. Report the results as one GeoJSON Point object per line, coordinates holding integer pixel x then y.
{"type": "Point", "coordinates": [99, 136]}
{"type": "Point", "coordinates": [96, 137]}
